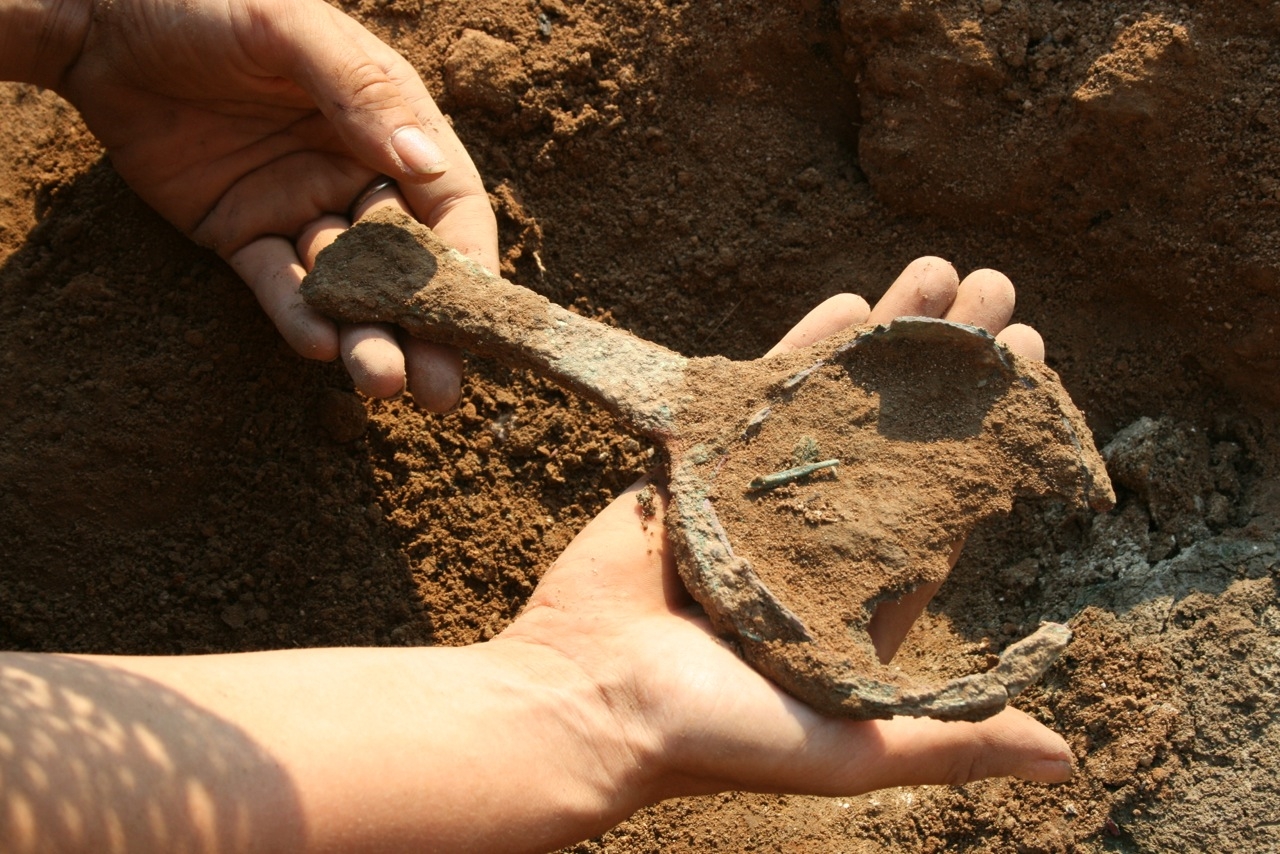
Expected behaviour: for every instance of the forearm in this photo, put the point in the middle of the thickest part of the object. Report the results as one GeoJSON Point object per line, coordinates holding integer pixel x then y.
{"type": "Point", "coordinates": [40, 39]}
{"type": "Point", "coordinates": [490, 748]}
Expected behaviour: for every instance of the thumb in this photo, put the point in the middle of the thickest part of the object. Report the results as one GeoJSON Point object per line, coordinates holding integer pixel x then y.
{"type": "Point", "coordinates": [922, 751]}
{"type": "Point", "coordinates": [621, 560]}
{"type": "Point", "coordinates": [785, 747]}
{"type": "Point", "coordinates": [363, 87]}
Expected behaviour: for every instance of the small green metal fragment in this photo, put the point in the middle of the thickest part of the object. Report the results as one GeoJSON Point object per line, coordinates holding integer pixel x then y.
{"type": "Point", "coordinates": [772, 481]}
{"type": "Point", "coordinates": [806, 451]}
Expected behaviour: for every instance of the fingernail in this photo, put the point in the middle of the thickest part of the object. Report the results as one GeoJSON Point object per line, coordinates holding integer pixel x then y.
{"type": "Point", "coordinates": [418, 152]}
{"type": "Point", "coordinates": [1052, 771]}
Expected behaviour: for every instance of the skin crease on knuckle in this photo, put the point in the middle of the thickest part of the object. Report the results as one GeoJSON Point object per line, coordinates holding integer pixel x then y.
{"type": "Point", "coordinates": [964, 769]}
{"type": "Point", "coordinates": [370, 94]}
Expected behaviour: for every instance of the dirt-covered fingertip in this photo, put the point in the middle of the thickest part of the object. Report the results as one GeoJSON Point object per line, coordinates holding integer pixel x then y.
{"type": "Point", "coordinates": [309, 333]}
{"type": "Point", "coordinates": [985, 298]}
{"type": "Point", "coordinates": [1023, 340]}
{"type": "Point", "coordinates": [926, 287]}
{"type": "Point", "coordinates": [829, 317]}
{"type": "Point", "coordinates": [434, 375]}
{"type": "Point", "coordinates": [1048, 771]}
{"type": "Point", "coordinates": [374, 359]}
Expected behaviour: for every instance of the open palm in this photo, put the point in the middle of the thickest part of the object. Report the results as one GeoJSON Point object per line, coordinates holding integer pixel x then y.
{"type": "Point", "coordinates": [614, 604]}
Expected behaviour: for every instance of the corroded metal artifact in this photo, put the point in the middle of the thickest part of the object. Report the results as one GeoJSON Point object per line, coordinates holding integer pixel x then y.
{"type": "Point", "coordinates": [805, 488]}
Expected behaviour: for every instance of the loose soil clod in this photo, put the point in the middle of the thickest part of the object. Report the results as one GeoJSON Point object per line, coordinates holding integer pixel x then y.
{"type": "Point", "coordinates": [935, 426]}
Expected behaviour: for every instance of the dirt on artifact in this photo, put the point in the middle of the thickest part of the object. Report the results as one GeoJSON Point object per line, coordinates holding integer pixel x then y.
{"type": "Point", "coordinates": [929, 427]}
{"type": "Point", "coordinates": [175, 480]}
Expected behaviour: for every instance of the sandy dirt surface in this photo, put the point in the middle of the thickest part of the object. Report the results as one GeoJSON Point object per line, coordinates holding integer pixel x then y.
{"type": "Point", "coordinates": [175, 480]}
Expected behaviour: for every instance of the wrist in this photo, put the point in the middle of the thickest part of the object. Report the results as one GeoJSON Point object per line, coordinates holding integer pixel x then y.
{"type": "Point", "coordinates": [602, 719]}
{"type": "Point", "coordinates": [41, 39]}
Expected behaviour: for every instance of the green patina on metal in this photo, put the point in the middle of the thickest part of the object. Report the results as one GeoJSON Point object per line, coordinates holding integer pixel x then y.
{"type": "Point", "coordinates": [773, 481]}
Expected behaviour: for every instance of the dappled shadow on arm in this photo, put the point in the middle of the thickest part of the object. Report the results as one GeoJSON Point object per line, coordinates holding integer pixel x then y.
{"type": "Point", "coordinates": [96, 759]}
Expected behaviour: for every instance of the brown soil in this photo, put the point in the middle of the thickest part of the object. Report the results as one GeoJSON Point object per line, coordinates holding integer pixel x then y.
{"type": "Point", "coordinates": [175, 480]}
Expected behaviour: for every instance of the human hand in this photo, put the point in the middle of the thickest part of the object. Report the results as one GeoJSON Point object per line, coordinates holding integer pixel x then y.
{"type": "Point", "coordinates": [609, 692]}
{"type": "Point", "coordinates": [252, 125]}
{"type": "Point", "coordinates": [697, 719]}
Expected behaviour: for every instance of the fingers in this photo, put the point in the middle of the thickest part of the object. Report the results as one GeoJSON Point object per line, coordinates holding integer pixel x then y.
{"type": "Point", "coordinates": [348, 73]}
{"type": "Point", "coordinates": [369, 351]}
{"type": "Point", "coordinates": [384, 114]}
{"type": "Point", "coordinates": [929, 287]}
{"type": "Point", "coordinates": [831, 757]}
{"type": "Point", "coordinates": [433, 371]}
{"type": "Point", "coordinates": [926, 288]}
{"type": "Point", "coordinates": [379, 363]}
{"type": "Point", "coordinates": [435, 374]}
{"type": "Point", "coordinates": [922, 751]}
{"type": "Point", "coordinates": [836, 313]}
{"type": "Point", "coordinates": [381, 112]}
{"type": "Point", "coordinates": [270, 267]}
{"type": "Point", "coordinates": [373, 358]}
{"type": "Point", "coordinates": [1023, 340]}
{"type": "Point", "coordinates": [272, 270]}
{"type": "Point", "coordinates": [984, 299]}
